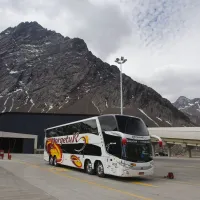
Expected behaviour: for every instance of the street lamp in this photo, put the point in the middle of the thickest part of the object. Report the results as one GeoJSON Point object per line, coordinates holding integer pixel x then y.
{"type": "Point", "coordinates": [120, 62]}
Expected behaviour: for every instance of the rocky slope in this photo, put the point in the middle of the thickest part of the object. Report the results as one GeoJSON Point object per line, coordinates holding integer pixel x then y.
{"type": "Point", "coordinates": [190, 107]}
{"type": "Point", "coordinates": [42, 71]}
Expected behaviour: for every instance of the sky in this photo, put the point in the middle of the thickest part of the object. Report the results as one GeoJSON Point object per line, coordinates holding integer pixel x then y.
{"type": "Point", "coordinates": [159, 38]}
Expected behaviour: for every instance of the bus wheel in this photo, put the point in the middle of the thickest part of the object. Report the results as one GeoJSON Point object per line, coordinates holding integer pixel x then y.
{"type": "Point", "coordinates": [88, 167]}
{"type": "Point", "coordinates": [100, 169]}
{"type": "Point", "coordinates": [55, 161]}
{"type": "Point", "coordinates": [51, 160]}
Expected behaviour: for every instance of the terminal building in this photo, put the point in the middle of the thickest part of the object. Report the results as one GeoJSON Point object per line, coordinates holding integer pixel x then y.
{"type": "Point", "coordinates": [24, 132]}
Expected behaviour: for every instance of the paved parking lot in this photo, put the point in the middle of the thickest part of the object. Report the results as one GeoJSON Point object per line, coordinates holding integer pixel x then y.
{"type": "Point", "coordinates": [29, 177]}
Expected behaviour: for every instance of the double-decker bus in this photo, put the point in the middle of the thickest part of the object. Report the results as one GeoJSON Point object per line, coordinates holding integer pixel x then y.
{"type": "Point", "coordinates": [117, 145]}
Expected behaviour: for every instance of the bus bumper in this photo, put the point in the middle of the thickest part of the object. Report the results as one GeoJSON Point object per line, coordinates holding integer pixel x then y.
{"type": "Point", "coordinates": [137, 173]}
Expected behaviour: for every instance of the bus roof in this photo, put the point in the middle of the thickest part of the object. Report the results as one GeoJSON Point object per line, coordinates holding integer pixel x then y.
{"type": "Point", "coordinates": [89, 119]}
{"type": "Point", "coordinates": [71, 123]}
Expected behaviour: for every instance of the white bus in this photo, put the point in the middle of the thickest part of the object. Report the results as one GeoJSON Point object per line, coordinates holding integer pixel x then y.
{"type": "Point", "coordinates": [118, 145]}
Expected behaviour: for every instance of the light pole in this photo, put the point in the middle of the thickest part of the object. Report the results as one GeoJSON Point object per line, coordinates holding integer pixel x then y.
{"type": "Point", "coordinates": [120, 62]}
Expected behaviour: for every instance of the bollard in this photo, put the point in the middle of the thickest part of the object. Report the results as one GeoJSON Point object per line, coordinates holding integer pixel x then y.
{"type": "Point", "coordinates": [2, 154]}
{"type": "Point", "coordinates": [9, 155]}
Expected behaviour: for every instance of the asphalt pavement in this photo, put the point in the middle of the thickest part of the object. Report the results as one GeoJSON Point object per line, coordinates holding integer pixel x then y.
{"type": "Point", "coordinates": [30, 177]}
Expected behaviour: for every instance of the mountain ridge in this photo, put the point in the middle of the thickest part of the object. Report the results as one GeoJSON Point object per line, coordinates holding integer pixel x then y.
{"type": "Point", "coordinates": [191, 107]}
{"type": "Point", "coordinates": [43, 71]}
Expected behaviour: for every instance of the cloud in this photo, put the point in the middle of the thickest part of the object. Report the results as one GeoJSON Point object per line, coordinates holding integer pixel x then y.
{"type": "Point", "coordinates": [174, 81]}
{"type": "Point", "coordinates": [163, 49]}
{"type": "Point", "coordinates": [102, 25]}
{"type": "Point", "coordinates": [160, 38]}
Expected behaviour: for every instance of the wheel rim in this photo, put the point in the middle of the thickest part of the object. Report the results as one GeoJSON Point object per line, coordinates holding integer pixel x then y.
{"type": "Point", "coordinates": [51, 160]}
{"type": "Point", "coordinates": [100, 169]}
{"type": "Point", "coordinates": [89, 166]}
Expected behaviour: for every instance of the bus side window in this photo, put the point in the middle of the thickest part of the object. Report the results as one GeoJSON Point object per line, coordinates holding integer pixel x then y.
{"type": "Point", "coordinates": [60, 131]}
{"type": "Point", "coordinates": [51, 133]}
{"type": "Point", "coordinates": [89, 126]}
{"type": "Point", "coordinates": [113, 144]}
{"type": "Point", "coordinates": [65, 130]}
{"type": "Point", "coordinates": [47, 133]}
{"type": "Point", "coordinates": [92, 150]}
{"type": "Point", "coordinates": [108, 123]}
{"type": "Point", "coordinates": [71, 129]}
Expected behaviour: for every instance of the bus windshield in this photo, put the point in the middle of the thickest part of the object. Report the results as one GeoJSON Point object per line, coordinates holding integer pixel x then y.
{"type": "Point", "coordinates": [134, 150]}
{"type": "Point", "coordinates": [131, 126]}
{"type": "Point", "coordinates": [138, 151]}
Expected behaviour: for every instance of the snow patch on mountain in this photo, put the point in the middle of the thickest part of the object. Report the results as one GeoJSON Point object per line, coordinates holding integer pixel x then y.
{"type": "Point", "coordinates": [147, 116]}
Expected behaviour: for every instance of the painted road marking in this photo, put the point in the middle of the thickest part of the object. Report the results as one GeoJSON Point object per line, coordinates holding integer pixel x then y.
{"type": "Point", "coordinates": [144, 184]}
{"type": "Point", "coordinates": [58, 169]}
{"type": "Point", "coordinates": [49, 168]}
{"type": "Point", "coordinates": [103, 186]}
{"type": "Point", "coordinates": [88, 182]}
{"type": "Point", "coordinates": [46, 168]}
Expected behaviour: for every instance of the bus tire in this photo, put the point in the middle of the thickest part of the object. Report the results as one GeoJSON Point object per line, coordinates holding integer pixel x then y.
{"type": "Point", "coordinates": [50, 160]}
{"type": "Point", "coordinates": [88, 167]}
{"type": "Point", "coordinates": [55, 161]}
{"type": "Point", "coordinates": [100, 169]}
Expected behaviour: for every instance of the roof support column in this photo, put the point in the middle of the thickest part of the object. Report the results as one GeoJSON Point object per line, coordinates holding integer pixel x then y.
{"type": "Point", "coordinates": [169, 150]}
{"type": "Point", "coordinates": [153, 145]}
{"type": "Point", "coordinates": [35, 144]}
{"type": "Point", "coordinates": [189, 149]}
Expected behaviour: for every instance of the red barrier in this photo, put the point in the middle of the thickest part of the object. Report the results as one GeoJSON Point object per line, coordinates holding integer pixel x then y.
{"type": "Point", "coordinates": [9, 155]}
{"type": "Point", "coordinates": [2, 154]}
{"type": "Point", "coordinates": [170, 175]}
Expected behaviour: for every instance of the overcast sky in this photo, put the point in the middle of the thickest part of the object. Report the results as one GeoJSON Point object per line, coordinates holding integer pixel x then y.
{"type": "Point", "coordinates": [160, 38]}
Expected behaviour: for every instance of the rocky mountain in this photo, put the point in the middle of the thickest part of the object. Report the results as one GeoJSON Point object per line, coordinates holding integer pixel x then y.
{"type": "Point", "coordinates": [42, 71]}
{"type": "Point", "coordinates": [190, 107]}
